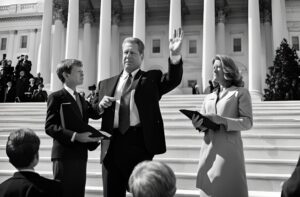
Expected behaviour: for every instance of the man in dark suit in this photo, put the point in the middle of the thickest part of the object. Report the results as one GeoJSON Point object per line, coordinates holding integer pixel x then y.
{"type": "Point", "coordinates": [129, 106]}
{"type": "Point", "coordinates": [291, 188]}
{"type": "Point", "coordinates": [22, 150]}
{"type": "Point", "coordinates": [69, 151]}
{"type": "Point", "coordinates": [10, 93]}
{"type": "Point", "coordinates": [22, 84]}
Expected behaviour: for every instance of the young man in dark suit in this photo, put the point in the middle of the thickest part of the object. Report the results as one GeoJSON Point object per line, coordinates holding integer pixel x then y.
{"type": "Point", "coordinates": [129, 107]}
{"type": "Point", "coordinates": [69, 151]}
{"type": "Point", "coordinates": [22, 150]}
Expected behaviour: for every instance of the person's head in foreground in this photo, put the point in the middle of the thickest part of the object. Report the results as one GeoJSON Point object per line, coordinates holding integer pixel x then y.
{"type": "Point", "coordinates": [152, 179]}
{"type": "Point", "coordinates": [22, 149]}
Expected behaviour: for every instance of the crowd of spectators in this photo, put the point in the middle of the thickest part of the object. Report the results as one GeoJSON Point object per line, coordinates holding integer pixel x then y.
{"type": "Point", "coordinates": [17, 84]}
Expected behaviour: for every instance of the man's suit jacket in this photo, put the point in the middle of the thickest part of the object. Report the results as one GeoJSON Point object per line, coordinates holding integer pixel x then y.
{"type": "Point", "coordinates": [151, 85]}
{"type": "Point", "coordinates": [291, 188]}
{"type": "Point", "coordinates": [63, 148]}
{"type": "Point", "coordinates": [30, 184]}
{"type": "Point", "coordinates": [10, 95]}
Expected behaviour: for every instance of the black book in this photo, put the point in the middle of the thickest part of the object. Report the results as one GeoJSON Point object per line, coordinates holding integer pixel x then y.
{"type": "Point", "coordinates": [70, 120]}
{"type": "Point", "coordinates": [206, 121]}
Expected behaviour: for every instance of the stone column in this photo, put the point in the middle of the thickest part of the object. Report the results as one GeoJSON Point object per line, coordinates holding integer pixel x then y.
{"type": "Point", "coordinates": [254, 49]}
{"type": "Point", "coordinates": [55, 82]}
{"type": "Point", "coordinates": [89, 68]}
{"type": "Point", "coordinates": [175, 16]}
{"type": "Point", "coordinates": [220, 45]}
{"type": "Point", "coordinates": [72, 30]}
{"type": "Point", "coordinates": [285, 33]}
{"type": "Point", "coordinates": [268, 33]}
{"type": "Point", "coordinates": [139, 20]}
{"type": "Point", "coordinates": [10, 46]}
{"type": "Point", "coordinates": [32, 51]}
{"type": "Point", "coordinates": [15, 47]}
{"type": "Point", "coordinates": [44, 61]}
{"type": "Point", "coordinates": [115, 55]}
{"type": "Point", "coordinates": [267, 54]}
{"type": "Point", "coordinates": [277, 21]}
{"type": "Point", "coordinates": [104, 41]}
{"type": "Point", "coordinates": [208, 41]}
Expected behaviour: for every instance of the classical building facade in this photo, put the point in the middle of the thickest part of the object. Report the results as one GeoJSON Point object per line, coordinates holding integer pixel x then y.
{"type": "Point", "coordinates": [92, 30]}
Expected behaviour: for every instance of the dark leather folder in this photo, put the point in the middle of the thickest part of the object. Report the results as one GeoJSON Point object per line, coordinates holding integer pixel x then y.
{"type": "Point", "coordinates": [70, 120]}
{"type": "Point", "coordinates": [206, 122]}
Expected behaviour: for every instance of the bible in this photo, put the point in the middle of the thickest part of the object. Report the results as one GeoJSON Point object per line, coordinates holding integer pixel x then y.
{"type": "Point", "coordinates": [206, 121]}
{"type": "Point", "coordinates": [70, 120]}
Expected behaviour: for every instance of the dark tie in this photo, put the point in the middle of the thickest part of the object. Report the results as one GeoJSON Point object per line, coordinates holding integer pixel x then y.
{"type": "Point", "coordinates": [124, 111]}
{"type": "Point", "coordinates": [78, 101]}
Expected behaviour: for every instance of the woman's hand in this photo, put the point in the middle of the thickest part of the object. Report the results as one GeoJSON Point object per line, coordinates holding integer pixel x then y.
{"type": "Point", "coordinates": [217, 119]}
{"type": "Point", "coordinates": [197, 122]}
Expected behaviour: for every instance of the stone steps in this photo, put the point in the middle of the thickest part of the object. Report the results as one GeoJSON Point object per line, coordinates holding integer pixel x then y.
{"type": "Point", "coordinates": [271, 147]}
{"type": "Point", "coordinates": [267, 166]}
{"type": "Point", "coordinates": [192, 151]}
{"type": "Point", "coordinates": [194, 138]}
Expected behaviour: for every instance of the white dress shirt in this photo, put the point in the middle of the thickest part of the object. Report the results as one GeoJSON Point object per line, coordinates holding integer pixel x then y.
{"type": "Point", "coordinates": [134, 115]}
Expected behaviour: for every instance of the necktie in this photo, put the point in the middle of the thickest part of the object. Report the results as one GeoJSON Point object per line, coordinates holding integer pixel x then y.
{"type": "Point", "coordinates": [124, 111]}
{"type": "Point", "coordinates": [78, 101]}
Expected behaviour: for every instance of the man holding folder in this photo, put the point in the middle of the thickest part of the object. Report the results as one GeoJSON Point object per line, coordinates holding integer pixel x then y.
{"type": "Point", "coordinates": [69, 151]}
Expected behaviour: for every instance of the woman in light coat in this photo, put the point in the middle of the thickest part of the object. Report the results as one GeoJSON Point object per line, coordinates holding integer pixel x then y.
{"type": "Point", "coordinates": [221, 171]}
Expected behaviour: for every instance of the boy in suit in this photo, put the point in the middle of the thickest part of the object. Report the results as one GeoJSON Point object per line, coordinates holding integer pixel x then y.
{"type": "Point", "coordinates": [22, 150]}
{"type": "Point", "coordinates": [69, 151]}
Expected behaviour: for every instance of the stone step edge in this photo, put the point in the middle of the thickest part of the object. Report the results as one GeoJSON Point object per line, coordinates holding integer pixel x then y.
{"type": "Point", "coordinates": [261, 176]}
{"type": "Point", "coordinates": [290, 162]}
{"type": "Point", "coordinates": [43, 135]}
{"type": "Point", "coordinates": [190, 193]}
{"type": "Point", "coordinates": [185, 147]}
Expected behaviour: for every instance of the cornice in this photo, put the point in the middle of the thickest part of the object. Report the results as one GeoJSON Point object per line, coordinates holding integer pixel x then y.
{"type": "Point", "coordinates": [21, 17]}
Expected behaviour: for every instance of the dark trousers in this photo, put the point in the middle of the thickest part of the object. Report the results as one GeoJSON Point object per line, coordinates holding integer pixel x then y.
{"type": "Point", "coordinates": [72, 175]}
{"type": "Point", "coordinates": [124, 153]}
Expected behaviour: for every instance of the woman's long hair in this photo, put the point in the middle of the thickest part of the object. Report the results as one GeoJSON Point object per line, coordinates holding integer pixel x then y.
{"type": "Point", "coordinates": [231, 72]}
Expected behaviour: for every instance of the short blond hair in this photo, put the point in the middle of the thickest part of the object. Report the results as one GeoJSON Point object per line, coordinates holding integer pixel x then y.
{"type": "Point", "coordinates": [152, 179]}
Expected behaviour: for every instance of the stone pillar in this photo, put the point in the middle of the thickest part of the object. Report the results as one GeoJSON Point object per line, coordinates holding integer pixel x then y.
{"type": "Point", "coordinates": [268, 33]}
{"type": "Point", "coordinates": [139, 20]}
{"type": "Point", "coordinates": [285, 33]}
{"type": "Point", "coordinates": [115, 55]}
{"type": "Point", "coordinates": [15, 47]}
{"type": "Point", "coordinates": [254, 49]}
{"type": "Point", "coordinates": [44, 61]}
{"type": "Point", "coordinates": [220, 45]}
{"type": "Point", "coordinates": [89, 68]}
{"type": "Point", "coordinates": [104, 41]}
{"type": "Point", "coordinates": [175, 16]}
{"type": "Point", "coordinates": [72, 30]}
{"type": "Point", "coordinates": [55, 83]}
{"type": "Point", "coordinates": [32, 51]}
{"type": "Point", "coordinates": [277, 21]}
{"type": "Point", "coordinates": [10, 46]}
{"type": "Point", "coordinates": [208, 41]}
{"type": "Point", "coordinates": [267, 41]}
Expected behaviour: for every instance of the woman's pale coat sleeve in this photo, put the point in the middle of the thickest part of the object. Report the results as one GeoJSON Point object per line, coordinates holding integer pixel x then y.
{"type": "Point", "coordinates": [245, 120]}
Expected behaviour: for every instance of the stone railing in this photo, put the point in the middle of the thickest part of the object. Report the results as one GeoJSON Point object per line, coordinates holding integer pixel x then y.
{"type": "Point", "coordinates": [20, 8]}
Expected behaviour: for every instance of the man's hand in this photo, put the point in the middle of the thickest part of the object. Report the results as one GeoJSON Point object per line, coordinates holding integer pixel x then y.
{"type": "Point", "coordinates": [106, 102]}
{"type": "Point", "coordinates": [84, 137]}
{"type": "Point", "coordinates": [176, 42]}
